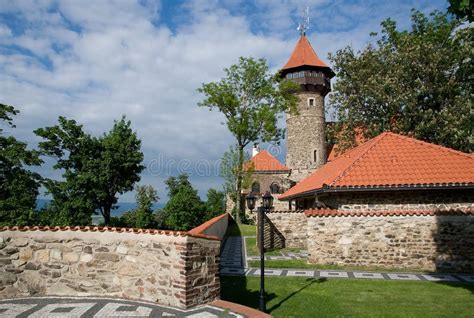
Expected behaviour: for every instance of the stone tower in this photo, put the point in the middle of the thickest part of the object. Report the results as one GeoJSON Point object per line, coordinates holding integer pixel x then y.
{"type": "Point", "coordinates": [306, 131]}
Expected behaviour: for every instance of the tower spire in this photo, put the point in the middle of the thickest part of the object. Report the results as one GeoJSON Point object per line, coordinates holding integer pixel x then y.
{"type": "Point", "coordinates": [304, 24]}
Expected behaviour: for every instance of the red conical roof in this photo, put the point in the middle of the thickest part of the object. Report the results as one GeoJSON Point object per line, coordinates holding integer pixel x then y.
{"type": "Point", "coordinates": [303, 54]}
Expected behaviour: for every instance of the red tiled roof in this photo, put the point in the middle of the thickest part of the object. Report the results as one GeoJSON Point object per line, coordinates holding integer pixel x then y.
{"type": "Point", "coordinates": [332, 213]}
{"type": "Point", "coordinates": [390, 160]}
{"type": "Point", "coordinates": [333, 151]}
{"type": "Point", "coordinates": [303, 54]}
{"type": "Point", "coordinates": [200, 229]}
{"type": "Point", "coordinates": [264, 161]}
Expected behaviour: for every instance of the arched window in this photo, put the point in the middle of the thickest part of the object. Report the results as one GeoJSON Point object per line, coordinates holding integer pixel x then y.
{"type": "Point", "coordinates": [274, 188]}
{"type": "Point", "coordinates": [256, 187]}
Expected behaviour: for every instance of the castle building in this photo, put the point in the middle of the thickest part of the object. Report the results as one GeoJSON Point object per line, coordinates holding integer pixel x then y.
{"type": "Point", "coordinates": [391, 202]}
{"type": "Point", "coordinates": [306, 130]}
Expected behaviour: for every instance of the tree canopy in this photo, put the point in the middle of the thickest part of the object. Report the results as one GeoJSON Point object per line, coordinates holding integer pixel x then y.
{"type": "Point", "coordinates": [230, 170]}
{"type": "Point", "coordinates": [416, 82]}
{"type": "Point", "coordinates": [215, 204]}
{"type": "Point", "coordinates": [462, 9]}
{"type": "Point", "coordinates": [95, 169]}
{"type": "Point", "coordinates": [184, 209]}
{"type": "Point", "coordinates": [251, 99]}
{"type": "Point", "coordinates": [18, 185]}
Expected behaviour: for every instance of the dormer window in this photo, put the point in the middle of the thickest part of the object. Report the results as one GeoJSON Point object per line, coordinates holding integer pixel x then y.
{"type": "Point", "coordinates": [310, 102]}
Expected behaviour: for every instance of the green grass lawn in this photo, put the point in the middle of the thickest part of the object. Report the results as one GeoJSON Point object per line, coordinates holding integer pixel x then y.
{"type": "Point", "coordinates": [301, 297]}
{"type": "Point", "coordinates": [302, 264]}
{"type": "Point", "coordinates": [252, 249]}
{"type": "Point", "coordinates": [241, 230]}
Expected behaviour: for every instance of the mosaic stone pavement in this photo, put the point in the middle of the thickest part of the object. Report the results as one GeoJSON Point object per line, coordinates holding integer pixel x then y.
{"type": "Point", "coordinates": [36, 307]}
{"type": "Point", "coordinates": [234, 257]}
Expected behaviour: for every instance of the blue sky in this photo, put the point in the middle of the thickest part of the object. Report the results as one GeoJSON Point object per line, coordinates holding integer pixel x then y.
{"type": "Point", "coordinates": [94, 61]}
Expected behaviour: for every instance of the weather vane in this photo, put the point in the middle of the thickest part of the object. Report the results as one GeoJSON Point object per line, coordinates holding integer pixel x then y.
{"type": "Point", "coordinates": [304, 24]}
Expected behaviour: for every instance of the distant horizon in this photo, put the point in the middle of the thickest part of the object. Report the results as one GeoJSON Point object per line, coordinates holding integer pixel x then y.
{"type": "Point", "coordinates": [122, 207]}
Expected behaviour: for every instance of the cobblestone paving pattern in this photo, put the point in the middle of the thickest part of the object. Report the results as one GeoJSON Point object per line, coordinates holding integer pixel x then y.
{"type": "Point", "coordinates": [35, 307]}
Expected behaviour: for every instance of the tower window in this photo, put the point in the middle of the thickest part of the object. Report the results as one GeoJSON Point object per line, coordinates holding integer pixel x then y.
{"type": "Point", "coordinates": [275, 188]}
{"type": "Point", "coordinates": [256, 187]}
{"type": "Point", "coordinates": [310, 102]}
{"type": "Point", "coordinates": [315, 155]}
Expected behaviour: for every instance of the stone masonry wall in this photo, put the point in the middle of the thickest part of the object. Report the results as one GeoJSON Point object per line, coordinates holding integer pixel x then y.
{"type": "Point", "coordinates": [397, 200]}
{"type": "Point", "coordinates": [305, 134]}
{"type": "Point", "coordinates": [292, 225]}
{"type": "Point", "coordinates": [430, 242]}
{"type": "Point", "coordinates": [170, 268]}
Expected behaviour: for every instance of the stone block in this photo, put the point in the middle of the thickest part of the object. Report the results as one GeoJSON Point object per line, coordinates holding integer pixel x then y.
{"type": "Point", "coordinates": [25, 254]}
{"type": "Point", "coordinates": [18, 263]}
{"type": "Point", "coordinates": [33, 282]}
{"type": "Point", "coordinates": [109, 257]}
{"type": "Point", "coordinates": [10, 251]}
{"type": "Point", "coordinates": [71, 258]}
{"type": "Point", "coordinates": [19, 242]}
{"type": "Point", "coordinates": [7, 278]}
{"type": "Point", "coordinates": [121, 250]}
{"type": "Point", "coordinates": [32, 266]}
{"type": "Point", "coordinates": [56, 255]}
{"type": "Point", "coordinates": [86, 258]}
{"type": "Point", "coordinates": [42, 256]}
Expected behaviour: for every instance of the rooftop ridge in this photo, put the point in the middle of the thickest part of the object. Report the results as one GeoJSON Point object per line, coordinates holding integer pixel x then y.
{"type": "Point", "coordinates": [439, 147]}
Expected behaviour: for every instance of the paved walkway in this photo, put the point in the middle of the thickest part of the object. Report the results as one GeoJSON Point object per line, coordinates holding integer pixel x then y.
{"type": "Point", "coordinates": [68, 307]}
{"type": "Point", "coordinates": [234, 263]}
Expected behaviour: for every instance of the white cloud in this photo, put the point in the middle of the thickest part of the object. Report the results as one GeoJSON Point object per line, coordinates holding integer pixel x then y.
{"type": "Point", "coordinates": [94, 61]}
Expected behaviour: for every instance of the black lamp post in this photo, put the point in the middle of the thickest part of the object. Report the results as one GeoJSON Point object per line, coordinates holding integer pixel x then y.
{"type": "Point", "coordinates": [267, 203]}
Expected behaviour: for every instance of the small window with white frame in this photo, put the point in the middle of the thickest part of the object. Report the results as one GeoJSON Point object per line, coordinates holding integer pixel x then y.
{"type": "Point", "coordinates": [311, 102]}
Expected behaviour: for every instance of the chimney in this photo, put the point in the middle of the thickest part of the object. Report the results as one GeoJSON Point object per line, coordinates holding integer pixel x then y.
{"type": "Point", "coordinates": [255, 150]}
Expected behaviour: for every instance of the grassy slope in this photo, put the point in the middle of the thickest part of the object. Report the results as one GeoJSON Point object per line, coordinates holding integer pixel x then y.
{"type": "Point", "coordinates": [242, 230]}
{"type": "Point", "coordinates": [251, 244]}
{"type": "Point", "coordinates": [300, 297]}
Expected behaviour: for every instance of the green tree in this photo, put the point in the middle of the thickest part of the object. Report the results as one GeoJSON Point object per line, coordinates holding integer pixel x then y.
{"type": "Point", "coordinates": [462, 9]}
{"type": "Point", "coordinates": [184, 209]}
{"type": "Point", "coordinates": [146, 196]}
{"type": "Point", "coordinates": [230, 170]}
{"type": "Point", "coordinates": [215, 204]}
{"type": "Point", "coordinates": [18, 185]}
{"type": "Point", "coordinates": [251, 99]}
{"type": "Point", "coordinates": [416, 82]}
{"type": "Point", "coordinates": [96, 170]}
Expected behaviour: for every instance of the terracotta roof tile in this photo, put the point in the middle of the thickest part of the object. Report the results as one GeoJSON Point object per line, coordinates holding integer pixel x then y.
{"type": "Point", "coordinates": [264, 161]}
{"type": "Point", "coordinates": [104, 229]}
{"type": "Point", "coordinates": [303, 54]}
{"type": "Point", "coordinates": [390, 160]}
{"type": "Point", "coordinates": [199, 230]}
{"type": "Point", "coordinates": [355, 213]}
